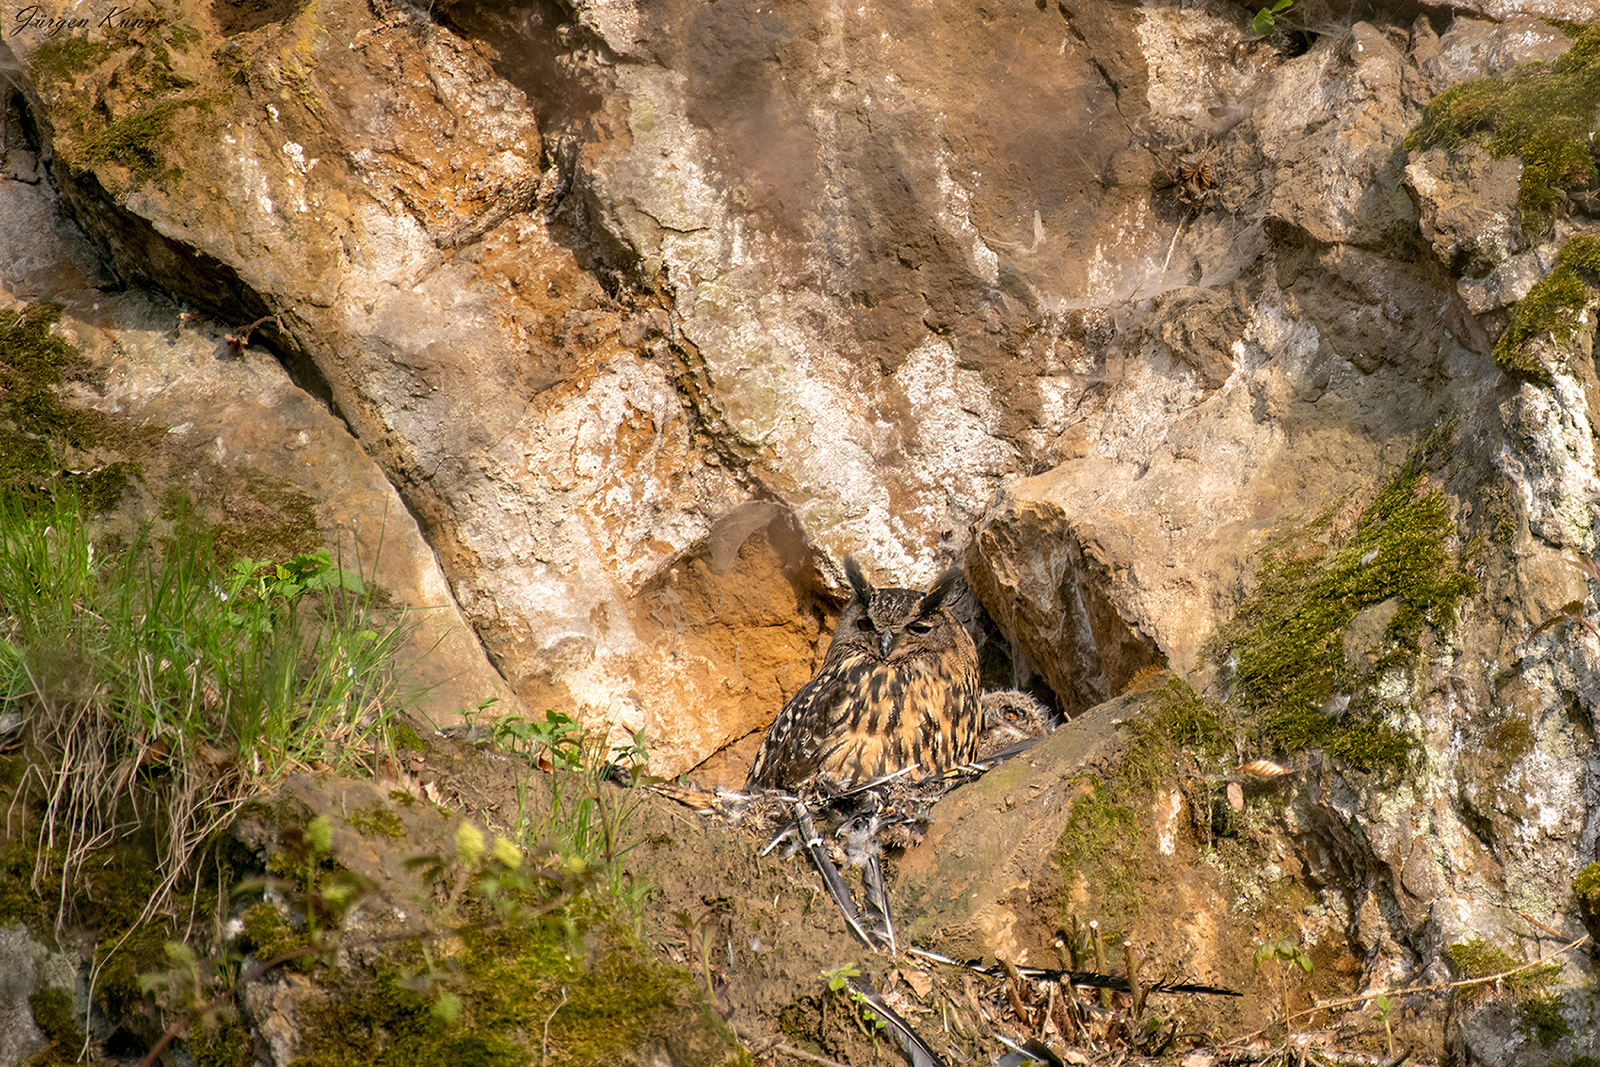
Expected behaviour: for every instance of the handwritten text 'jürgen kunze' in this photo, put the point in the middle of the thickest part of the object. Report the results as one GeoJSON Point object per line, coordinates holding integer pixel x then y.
{"type": "Point", "coordinates": [35, 17]}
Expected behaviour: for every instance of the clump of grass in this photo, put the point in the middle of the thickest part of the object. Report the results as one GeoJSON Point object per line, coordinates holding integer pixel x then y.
{"type": "Point", "coordinates": [1542, 113]}
{"type": "Point", "coordinates": [158, 694]}
{"type": "Point", "coordinates": [587, 821]}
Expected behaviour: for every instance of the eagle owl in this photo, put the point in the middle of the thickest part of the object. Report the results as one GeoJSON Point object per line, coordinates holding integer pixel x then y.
{"type": "Point", "coordinates": [897, 688]}
{"type": "Point", "coordinates": [1010, 716]}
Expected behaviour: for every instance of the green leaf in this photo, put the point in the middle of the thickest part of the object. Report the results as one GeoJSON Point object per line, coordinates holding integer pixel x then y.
{"type": "Point", "coordinates": [448, 1007]}
{"type": "Point", "coordinates": [179, 954]}
{"type": "Point", "coordinates": [320, 833]}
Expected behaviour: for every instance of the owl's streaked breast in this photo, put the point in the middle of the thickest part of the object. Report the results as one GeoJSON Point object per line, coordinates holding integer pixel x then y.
{"type": "Point", "coordinates": [895, 715]}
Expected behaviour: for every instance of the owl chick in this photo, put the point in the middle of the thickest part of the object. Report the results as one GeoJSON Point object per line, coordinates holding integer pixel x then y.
{"type": "Point", "coordinates": [1010, 716]}
{"type": "Point", "coordinates": [898, 688]}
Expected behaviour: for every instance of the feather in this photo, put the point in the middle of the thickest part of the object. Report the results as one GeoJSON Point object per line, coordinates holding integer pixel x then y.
{"type": "Point", "coordinates": [864, 849]}
{"type": "Point", "coordinates": [921, 1053]}
{"type": "Point", "coordinates": [877, 912]}
{"type": "Point", "coordinates": [831, 879]}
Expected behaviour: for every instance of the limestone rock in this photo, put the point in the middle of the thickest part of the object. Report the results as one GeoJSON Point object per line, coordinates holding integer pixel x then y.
{"type": "Point", "coordinates": [649, 313]}
{"type": "Point", "coordinates": [238, 435]}
{"type": "Point", "coordinates": [20, 1037]}
{"type": "Point", "coordinates": [981, 878]}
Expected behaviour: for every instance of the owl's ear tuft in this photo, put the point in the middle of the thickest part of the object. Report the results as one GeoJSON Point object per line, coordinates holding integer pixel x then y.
{"type": "Point", "coordinates": [857, 580]}
{"type": "Point", "coordinates": [938, 591]}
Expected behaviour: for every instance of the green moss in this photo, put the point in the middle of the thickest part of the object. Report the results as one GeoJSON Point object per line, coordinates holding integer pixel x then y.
{"type": "Point", "coordinates": [139, 141]}
{"type": "Point", "coordinates": [1550, 309]}
{"type": "Point", "coordinates": [407, 739]}
{"type": "Point", "coordinates": [1566, 26]}
{"type": "Point", "coordinates": [1099, 844]}
{"type": "Point", "coordinates": [1480, 959]}
{"type": "Point", "coordinates": [1586, 893]}
{"type": "Point", "coordinates": [222, 1043]}
{"type": "Point", "coordinates": [108, 897]}
{"type": "Point", "coordinates": [1541, 112]}
{"type": "Point", "coordinates": [280, 522]}
{"type": "Point", "coordinates": [268, 935]}
{"type": "Point", "coordinates": [34, 361]}
{"type": "Point", "coordinates": [55, 1014]}
{"type": "Point", "coordinates": [1289, 637]}
{"type": "Point", "coordinates": [1539, 1018]}
{"type": "Point", "coordinates": [18, 902]}
{"type": "Point", "coordinates": [61, 59]}
{"type": "Point", "coordinates": [1176, 719]}
{"type": "Point", "coordinates": [1587, 884]}
{"type": "Point", "coordinates": [604, 999]}
{"type": "Point", "coordinates": [376, 820]}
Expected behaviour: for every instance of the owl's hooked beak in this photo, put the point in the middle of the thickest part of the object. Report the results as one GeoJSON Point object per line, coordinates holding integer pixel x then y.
{"type": "Point", "coordinates": [885, 642]}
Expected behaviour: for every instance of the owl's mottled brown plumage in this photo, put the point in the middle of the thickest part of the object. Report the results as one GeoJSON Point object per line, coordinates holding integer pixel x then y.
{"type": "Point", "coordinates": [897, 688]}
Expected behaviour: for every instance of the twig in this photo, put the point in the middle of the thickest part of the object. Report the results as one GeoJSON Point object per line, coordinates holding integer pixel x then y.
{"type": "Point", "coordinates": [239, 341]}
{"type": "Point", "coordinates": [1552, 931]}
{"type": "Point", "coordinates": [215, 1002]}
{"type": "Point", "coordinates": [544, 1056]}
{"type": "Point", "coordinates": [1432, 988]}
{"type": "Point", "coordinates": [801, 1054]}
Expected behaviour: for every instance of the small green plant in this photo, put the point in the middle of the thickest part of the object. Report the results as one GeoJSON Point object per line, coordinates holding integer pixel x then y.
{"type": "Point", "coordinates": [839, 983]}
{"type": "Point", "coordinates": [699, 936]}
{"type": "Point", "coordinates": [840, 977]}
{"type": "Point", "coordinates": [587, 821]}
{"type": "Point", "coordinates": [1285, 953]}
{"type": "Point", "coordinates": [1385, 1006]}
{"type": "Point", "coordinates": [1266, 20]}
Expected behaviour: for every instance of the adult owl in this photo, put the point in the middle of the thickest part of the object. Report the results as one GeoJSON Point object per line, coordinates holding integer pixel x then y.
{"type": "Point", "coordinates": [898, 688]}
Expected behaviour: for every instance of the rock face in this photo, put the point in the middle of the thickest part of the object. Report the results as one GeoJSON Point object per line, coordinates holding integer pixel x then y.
{"type": "Point", "coordinates": [650, 313]}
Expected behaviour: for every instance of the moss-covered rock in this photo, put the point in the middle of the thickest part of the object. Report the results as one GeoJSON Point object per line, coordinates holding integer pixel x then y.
{"type": "Point", "coordinates": [1552, 309]}
{"type": "Point", "coordinates": [1542, 113]}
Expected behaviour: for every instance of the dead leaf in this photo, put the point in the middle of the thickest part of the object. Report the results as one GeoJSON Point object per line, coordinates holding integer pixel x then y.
{"type": "Point", "coordinates": [920, 983]}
